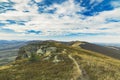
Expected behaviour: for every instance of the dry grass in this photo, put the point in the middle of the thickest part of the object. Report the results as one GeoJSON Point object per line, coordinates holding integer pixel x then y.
{"type": "Point", "coordinates": [99, 67]}
{"type": "Point", "coordinates": [93, 65]}
{"type": "Point", "coordinates": [40, 70]}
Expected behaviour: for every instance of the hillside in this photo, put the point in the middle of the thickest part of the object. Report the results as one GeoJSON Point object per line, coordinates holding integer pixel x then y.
{"type": "Point", "coordinates": [9, 50]}
{"type": "Point", "coordinates": [106, 50]}
{"type": "Point", "coordinates": [52, 60]}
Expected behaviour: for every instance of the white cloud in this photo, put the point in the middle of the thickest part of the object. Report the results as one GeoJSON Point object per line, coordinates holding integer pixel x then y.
{"type": "Point", "coordinates": [23, 5]}
{"type": "Point", "coordinates": [38, 0]}
{"type": "Point", "coordinates": [3, 0]}
{"type": "Point", "coordinates": [66, 8]}
{"type": "Point", "coordinates": [48, 24]}
{"type": "Point", "coordinates": [51, 25]}
{"type": "Point", "coordinates": [105, 38]}
{"type": "Point", "coordinates": [115, 3]}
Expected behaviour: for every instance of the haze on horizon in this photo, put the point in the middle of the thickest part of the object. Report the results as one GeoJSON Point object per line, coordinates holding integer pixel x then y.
{"type": "Point", "coordinates": [65, 20]}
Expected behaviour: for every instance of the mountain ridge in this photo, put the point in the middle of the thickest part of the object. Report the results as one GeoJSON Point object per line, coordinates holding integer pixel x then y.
{"type": "Point", "coordinates": [53, 60]}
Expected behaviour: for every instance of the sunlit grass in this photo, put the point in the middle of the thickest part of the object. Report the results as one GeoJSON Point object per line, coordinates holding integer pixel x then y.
{"type": "Point", "coordinates": [93, 65]}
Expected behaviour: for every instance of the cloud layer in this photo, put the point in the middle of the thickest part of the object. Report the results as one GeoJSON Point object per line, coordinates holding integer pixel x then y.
{"type": "Point", "coordinates": [90, 20]}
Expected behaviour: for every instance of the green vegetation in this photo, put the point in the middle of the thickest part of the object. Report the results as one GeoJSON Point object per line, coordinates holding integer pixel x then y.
{"type": "Point", "coordinates": [38, 70]}
{"type": "Point", "coordinates": [74, 63]}
{"type": "Point", "coordinates": [34, 57]}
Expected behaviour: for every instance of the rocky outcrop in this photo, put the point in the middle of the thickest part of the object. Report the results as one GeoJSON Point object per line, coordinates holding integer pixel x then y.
{"type": "Point", "coordinates": [46, 49]}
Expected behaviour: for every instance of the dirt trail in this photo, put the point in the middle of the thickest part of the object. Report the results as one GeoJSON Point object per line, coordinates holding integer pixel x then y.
{"type": "Point", "coordinates": [79, 74]}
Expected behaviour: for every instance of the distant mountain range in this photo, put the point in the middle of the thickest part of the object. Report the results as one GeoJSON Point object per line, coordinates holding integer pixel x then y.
{"type": "Point", "coordinates": [13, 44]}
{"type": "Point", "coordinates": [9, 50]}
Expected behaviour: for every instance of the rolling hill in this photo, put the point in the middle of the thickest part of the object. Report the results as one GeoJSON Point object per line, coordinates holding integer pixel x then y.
{"type": "Point", "coordinates": [53, 60]}
{"type": "Point", "coordinates": [111, 51]}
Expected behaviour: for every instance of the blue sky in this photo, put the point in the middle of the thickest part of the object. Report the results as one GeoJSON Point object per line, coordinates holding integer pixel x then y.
{"type": "Point", "coordinates": [66, 20]}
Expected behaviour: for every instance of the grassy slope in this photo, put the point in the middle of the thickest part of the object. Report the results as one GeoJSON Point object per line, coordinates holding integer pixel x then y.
{"type": "Point", "coordinates": [97, 66]}
{"type": "Point", "coordinates": [112, 52]}
{"type": "Point", "coordinates": [41, 70]}
{"type": "Point", "coordinates": [94, 66]}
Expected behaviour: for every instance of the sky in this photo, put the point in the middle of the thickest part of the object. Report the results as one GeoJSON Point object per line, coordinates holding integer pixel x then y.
{"type": "Point", "coordinates": [65, 20]}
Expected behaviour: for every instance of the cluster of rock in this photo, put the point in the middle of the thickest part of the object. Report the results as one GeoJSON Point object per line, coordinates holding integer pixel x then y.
{"type": "Point", "coordinates": [45, 50]}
